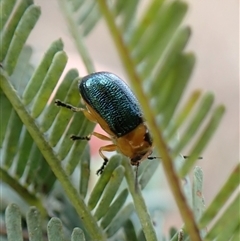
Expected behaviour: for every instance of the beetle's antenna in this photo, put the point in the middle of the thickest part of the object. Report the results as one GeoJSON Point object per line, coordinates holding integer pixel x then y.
{"type": "Point", "coordinates": [185, 157]}
{"type": "Point", "coordinates": [136, 177]}
{"type": "Point", "coordinates": [157, 157]}
{"type": "Point", "coordinates": [153, 157]}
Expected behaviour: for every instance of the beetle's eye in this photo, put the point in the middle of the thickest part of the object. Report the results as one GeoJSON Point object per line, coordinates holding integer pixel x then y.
{"type": "Point", "coordinates": [136, 159]}
{"type": "Point", "coordinates": [148, 138]}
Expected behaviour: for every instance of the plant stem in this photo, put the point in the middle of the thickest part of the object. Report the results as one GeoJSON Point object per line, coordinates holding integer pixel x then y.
{"type": "Point", "coordinates": [74, 30]}
{"type": "Point", "coordinates": [88, 220]}
{"type": "Point", "coordinates": [140, 206]}
{"type": "Point", "coordinates": [29, 197]}
{"type": "Point", "coordinates": [160, 144]}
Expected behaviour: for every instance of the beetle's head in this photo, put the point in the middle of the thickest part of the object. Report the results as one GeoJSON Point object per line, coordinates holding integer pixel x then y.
{"type": "Point", "coordinates": [145, 150]}
{"type": "Point", "coordinates": [135, 161]}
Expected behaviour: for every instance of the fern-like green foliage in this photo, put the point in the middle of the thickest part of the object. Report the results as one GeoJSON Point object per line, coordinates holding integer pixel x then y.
{"type": "Point", "coordinates": [37, 155]}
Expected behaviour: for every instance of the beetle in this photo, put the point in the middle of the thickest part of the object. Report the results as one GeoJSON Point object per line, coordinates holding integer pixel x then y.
{"type": "Point", "coordinates": [111, 103]}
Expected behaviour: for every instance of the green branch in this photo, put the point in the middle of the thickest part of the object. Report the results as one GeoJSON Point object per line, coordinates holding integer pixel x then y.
{"type": "Point", "coordinates": [139, 203]}
{"type": "Point", "coordinates": [160, 144]}
{"type": "Point", "coordinates": [74, 30]}
{"type": "Point", "coordinates": [30, 198]}
{"type": "Point", "coordinates": [89, 222]}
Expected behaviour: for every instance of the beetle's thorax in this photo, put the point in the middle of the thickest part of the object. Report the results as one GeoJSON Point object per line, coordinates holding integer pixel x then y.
{"type": "Point", "coordinates": [137, 144]}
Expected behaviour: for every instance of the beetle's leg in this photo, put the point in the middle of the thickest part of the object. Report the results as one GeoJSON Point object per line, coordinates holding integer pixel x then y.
{"type": "Point", "coordinates": [111, 147]}
{"type": "Point", "coordinates": [87, 114]}
{"type": "Point", "coordinates": [68, 106]}
{"type": "Point", "coordinates": [101, 136]}
{"type": "Point", "coordinates": [74, 138]}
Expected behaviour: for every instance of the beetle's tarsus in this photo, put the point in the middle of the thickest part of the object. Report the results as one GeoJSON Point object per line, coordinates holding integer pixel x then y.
{"type": "Point", "coordinates": [60, 103]}
{"type": "Point", "coordinates": [100, 171]}
{"type": "Point", "coordinates": [66, 105]}
{"type": "Point", "coordinates": [74, 138]}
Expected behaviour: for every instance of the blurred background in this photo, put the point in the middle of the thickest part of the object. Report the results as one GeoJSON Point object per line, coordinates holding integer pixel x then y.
{"type": "Point", "coordinates": [215, 42]}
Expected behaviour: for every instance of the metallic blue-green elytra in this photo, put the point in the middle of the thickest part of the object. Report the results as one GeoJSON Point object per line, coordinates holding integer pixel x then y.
{"type": "Point", "coordinates": [113, 100]}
